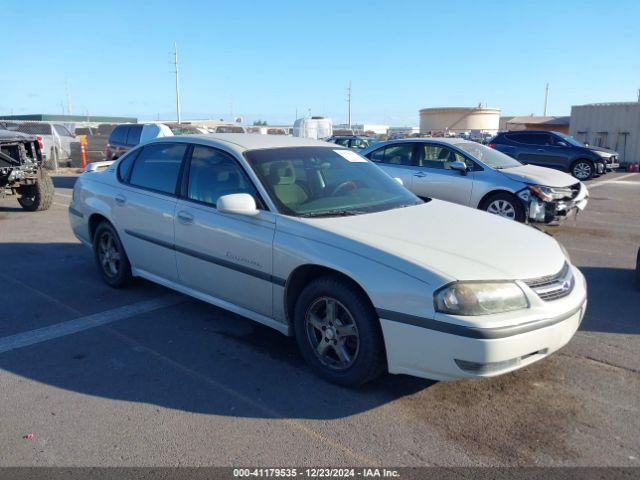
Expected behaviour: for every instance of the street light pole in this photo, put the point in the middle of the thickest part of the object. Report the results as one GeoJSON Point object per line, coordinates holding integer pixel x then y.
{"type": "Point", "coordinates": [546, 99]}
{"type": "Point", "coordinates": [177, 72]}
{"type": "Point", "coordinates": [349, 101]}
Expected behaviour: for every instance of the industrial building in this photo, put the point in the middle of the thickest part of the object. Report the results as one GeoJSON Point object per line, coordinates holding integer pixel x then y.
{"type": "Point", "coordinates": [609, 125]}
{"type": "Point", "coordinates": [459, 119]}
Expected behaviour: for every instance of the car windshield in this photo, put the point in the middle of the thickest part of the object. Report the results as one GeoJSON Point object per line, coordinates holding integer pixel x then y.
{"type": "Point", "coordinates": [321, 182]}
{"type": "Point", "coordinates": [570, 140]}
{"type": "Point", "coordinates": [490, 157]}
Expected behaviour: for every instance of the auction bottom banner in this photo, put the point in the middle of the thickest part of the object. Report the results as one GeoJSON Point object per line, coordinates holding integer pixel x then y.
{"type": "Point", "coordinates": [205, 473]}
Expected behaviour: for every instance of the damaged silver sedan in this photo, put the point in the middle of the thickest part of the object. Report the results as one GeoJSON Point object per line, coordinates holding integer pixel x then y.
{"type": "Point", "coordinates": [471, 174]}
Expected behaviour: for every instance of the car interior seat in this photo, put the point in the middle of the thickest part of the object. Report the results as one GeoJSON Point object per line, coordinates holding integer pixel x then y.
{"type": "Point", "coordinates": [282, 176]}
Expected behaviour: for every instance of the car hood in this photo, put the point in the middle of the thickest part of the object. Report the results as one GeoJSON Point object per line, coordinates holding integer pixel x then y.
{"type": "Point", "coordinates": [600, 151]}
{"type": "Point", "coordinates": [539, 176]}
{"type": "Point", "coordinates": [455, 242]}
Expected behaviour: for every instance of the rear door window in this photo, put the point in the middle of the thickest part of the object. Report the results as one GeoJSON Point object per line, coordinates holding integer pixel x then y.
{"type": "Point", "coordinates": [119, 135]}
{"type": "Point", "coordinates": [157, 167]}
{"type": "Point", "coordinates": [133, 137]}
{"type": "Point", "coordinates": [531, 138]}
{"type": "Point", "coordinates": [399, 154]}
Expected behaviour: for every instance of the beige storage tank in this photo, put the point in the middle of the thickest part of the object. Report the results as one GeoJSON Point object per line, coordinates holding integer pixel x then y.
{"type": "Point", "coordinates": [459, 119]}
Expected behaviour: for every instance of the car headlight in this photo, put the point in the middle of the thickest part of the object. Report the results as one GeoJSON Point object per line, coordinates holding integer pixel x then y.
{"type": "Point", "coordinates": [480, 298]}
{"type": "Point", "coordinates": [548, 194]}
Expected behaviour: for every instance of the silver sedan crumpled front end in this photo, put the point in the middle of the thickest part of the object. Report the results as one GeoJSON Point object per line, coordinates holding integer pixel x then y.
{"type": "Point", "coordinates": [551, 204]}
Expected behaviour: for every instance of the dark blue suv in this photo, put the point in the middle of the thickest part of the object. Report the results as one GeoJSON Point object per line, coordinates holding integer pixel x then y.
{"type": "Point", "coordinates": [556, 150]}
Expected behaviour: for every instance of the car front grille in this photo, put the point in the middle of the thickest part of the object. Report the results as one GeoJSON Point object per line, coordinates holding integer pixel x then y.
{"type": "Point", "coordinates": [575, 189]}
{"type": "Point", "coordinates": [553, 287]}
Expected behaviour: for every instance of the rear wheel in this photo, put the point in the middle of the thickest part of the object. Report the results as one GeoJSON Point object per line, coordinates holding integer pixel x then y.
{"type": "Point", "coordinates": [338, 332]}
{"type": "Point", "coordinates": [110, 256]}
{"type": "Point", "coordinates": [583, 170]}
{"type": "Point", "coordinates": [505, 205]}
{"type": "Point", "coordinates": [39, 196]}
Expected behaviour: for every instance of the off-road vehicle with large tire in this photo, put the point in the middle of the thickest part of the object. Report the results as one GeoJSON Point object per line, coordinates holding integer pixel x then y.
{"type": "Point", "coordinates": [22, 172]}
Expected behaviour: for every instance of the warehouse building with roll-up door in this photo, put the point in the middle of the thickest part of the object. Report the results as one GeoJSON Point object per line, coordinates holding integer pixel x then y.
{"type": "Point", "coordinates": [609, 125]}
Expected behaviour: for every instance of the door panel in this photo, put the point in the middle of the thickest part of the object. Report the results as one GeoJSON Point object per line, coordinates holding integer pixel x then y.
{"type": "Point", "coordinates": [434, 178]}
{"type": "Point", "coordinates": [145, 224]}
{"type": "Point", "coordinates": [226, 256]}
{"type": "Point", "coordinates": [223, 255]}
{"type": "Point", "coordinates": [144, 209]}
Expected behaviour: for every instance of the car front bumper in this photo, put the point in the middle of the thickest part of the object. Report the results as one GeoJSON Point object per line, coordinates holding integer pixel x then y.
{"type": "Point", "coordinates": [540, 211]}
{"type": "Point", "coordinates": [469, 352]}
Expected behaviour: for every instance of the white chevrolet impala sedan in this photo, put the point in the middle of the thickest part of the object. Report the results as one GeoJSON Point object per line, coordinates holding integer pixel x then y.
{"type": "Point", "coordinates": [317, 242]}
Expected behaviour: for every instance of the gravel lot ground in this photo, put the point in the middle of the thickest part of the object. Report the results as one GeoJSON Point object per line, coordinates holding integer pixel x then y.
{"type": "Point", "coordinates": [173, 381]}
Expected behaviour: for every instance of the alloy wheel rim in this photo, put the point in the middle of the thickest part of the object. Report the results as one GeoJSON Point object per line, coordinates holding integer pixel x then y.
{"type": "Point", "coordinates": [332, 333]}
{"type": "Point", "coordinates": [582, 170]}
{"type": "Point", "coordinates": [502, 208]}
{"type": "Point", "coordinates": [108, 254]}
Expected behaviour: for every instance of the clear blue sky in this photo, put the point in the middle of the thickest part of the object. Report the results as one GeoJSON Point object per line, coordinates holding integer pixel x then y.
{"type": "Point", "coordinates": [269, 58]}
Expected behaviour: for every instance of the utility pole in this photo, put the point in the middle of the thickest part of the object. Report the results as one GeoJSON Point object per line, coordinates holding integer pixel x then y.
{"type": "Point", "coordinates": [639, 95]}
{"type": "Point", "coordinates": [546, 99]}
{"type": "Point", "coordinates": [66, 88]}
{"type": "Point", "coordinates": [177, 72]}
{"type": "Point", "coordinates": [349, 101]}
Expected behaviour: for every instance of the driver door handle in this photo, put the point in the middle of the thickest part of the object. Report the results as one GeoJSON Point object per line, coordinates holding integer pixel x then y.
{"type": "Point", "coordinates": [185, 217]}
{"type": "Point", "coordinates": [420, 174]}
{"type": "Point", "coordinates": [120, 199]}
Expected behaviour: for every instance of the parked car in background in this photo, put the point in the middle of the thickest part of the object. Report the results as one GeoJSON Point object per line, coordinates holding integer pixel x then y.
{"type": "Point", "coordinates": [556, 150]}
{"type": "Point", "coordinates": [57, 140]}
{"type": "Point", "coordinates": [354, 142]}
{"type": "Point", "coordinates": [477, 176]}
{"type": "Point", "coordinates": [228, 129]}
{"type": "Point", "coordinates": [317, 242]}
{"type": "Point", "coordinates": [127, 135]}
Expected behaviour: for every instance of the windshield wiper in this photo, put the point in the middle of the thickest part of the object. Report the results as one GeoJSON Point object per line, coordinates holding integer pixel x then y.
{"type": "Point", "coordinates": [333, 213]}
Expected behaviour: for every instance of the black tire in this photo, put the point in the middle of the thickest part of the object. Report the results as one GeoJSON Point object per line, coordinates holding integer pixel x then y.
{"type": "Point", "coordinates": [510, 206]}
{"type": "Point", "coordinates": [369, 359]}
{"type": "Point", "coordinates": [583, 170]}
{"type": "Point", "coordinates": [115, 272]}
{"type": "Point", "coordinates": [39, 196]}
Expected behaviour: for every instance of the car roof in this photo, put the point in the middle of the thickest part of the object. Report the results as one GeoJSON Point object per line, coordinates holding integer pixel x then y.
{"type": "Point", "coordinates": [248, 141]}
{"type": "Point", "coordinates": [450, 141]}
{"type": "Point", "coordinates": [10, 135]}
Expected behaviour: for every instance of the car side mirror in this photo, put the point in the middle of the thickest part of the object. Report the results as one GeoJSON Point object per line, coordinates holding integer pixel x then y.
{"type": "Point", "coordinates": [459, 166]}
{"type": "Point", "coordinates": [238, 204]}
{"type": "Point", "coordinates": [562, 144]}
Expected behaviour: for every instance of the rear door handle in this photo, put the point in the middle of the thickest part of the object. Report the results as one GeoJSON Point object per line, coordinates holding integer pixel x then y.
{"type": "Point", "coordinates": [420, 174]}
{"type": "Point", "coordinates": [185, 217]}
{"type": "Point", "coordinates": [120, 199]}
{"type": "Point", "coordinates": [540, 149]}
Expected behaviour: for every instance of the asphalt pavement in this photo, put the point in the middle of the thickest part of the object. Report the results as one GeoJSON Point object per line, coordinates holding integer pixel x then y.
{"type": "Point", "coordinates": [148, 377]}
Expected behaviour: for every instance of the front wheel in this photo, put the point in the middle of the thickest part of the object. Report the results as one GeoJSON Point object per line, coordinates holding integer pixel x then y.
{"type": "Point", "coordinates": [338, 332]}
{"type": "Point", "coordinates": [39, 196]}
{"type": "Point", "coordinates": [504, 205]}
{"type": "Point", "coordinates": [583, 170]}
{"type": "Point", "coordinates": [110, 256]}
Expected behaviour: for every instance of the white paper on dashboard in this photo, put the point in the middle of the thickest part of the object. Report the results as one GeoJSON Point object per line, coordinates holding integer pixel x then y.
{"type": "Point", "coordinates": [350, 155]}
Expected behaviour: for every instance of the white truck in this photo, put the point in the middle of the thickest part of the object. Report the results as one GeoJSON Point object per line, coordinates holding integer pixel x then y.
{"type": "Point", "coordinates": [317, 128]}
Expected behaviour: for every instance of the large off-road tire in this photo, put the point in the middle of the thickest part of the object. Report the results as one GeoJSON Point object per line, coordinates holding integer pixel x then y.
{"type": "Point", "coordinates": [583, 170]}
{"type": "Point", "coordinates": [111, 259]}
{"type": "Point", "coordinates": [504, 205]}
{"type": "Point", "coordinates": [39, 196]}
{"type": "Point", "coordinates": [338, 332]}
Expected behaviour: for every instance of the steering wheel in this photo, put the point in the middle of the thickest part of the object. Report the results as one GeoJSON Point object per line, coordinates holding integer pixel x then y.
{"type": "Point", "coordinates": [348, 185]}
